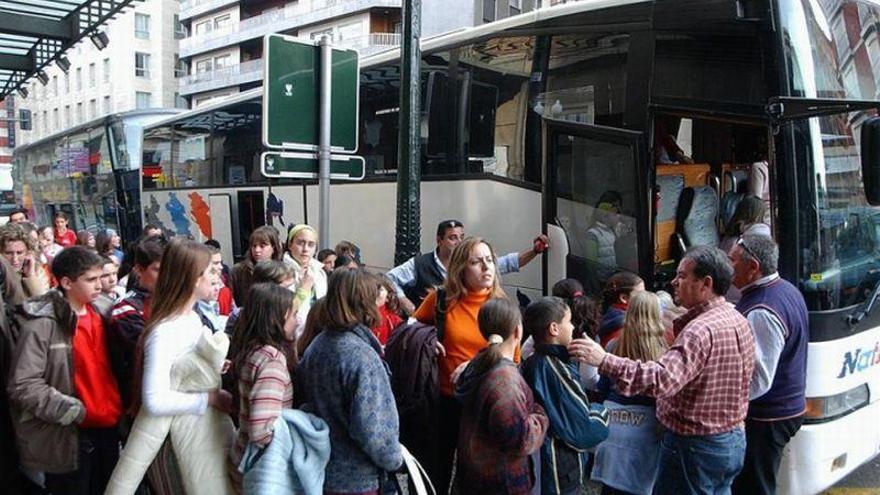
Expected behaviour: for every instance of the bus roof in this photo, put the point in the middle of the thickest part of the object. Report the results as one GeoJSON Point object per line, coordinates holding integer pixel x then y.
{"type": "Point", "coordinates": [514, 25]}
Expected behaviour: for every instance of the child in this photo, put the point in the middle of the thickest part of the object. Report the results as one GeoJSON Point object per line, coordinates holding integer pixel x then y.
{"type": "Point", "coordinates": [501, 424]}
{"type": "Point", "coordinates": [327, 257]}
{"type": "Point", "coordinates": [64, 237]}
{"type": "Point", "coordinates": [575, 424]}
{"type": "Point", "coordinates": [389, 311]}
{"type": "Point", "coordinates": [225, 303]}
{"type": "Point", "coordinates": [64, 397]}
{"type": "Point", "coordinates": [618, 290]}
{"type": "Point", "coordinates": [627, 461]}
{"type": "Point", "coordinates": [260, 366]}
{"type": "Point", "coordinates": [585, 312]}
{"type": "Point", "coordinates": [110, 292]}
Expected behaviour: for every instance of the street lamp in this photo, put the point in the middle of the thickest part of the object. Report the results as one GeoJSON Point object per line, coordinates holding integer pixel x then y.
{"type": "Point", "coordinates": [42, 77]}
{"type": "Point", "coordinates": [63, 63]}
{"type": "Point", "coordinates": [100, 40]}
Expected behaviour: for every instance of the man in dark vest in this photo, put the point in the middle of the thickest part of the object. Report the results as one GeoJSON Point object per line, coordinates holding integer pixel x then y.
{"type": "Point", "coordinates": [778, 316]}
{"type": "Point", "coordinates": [426, 271]}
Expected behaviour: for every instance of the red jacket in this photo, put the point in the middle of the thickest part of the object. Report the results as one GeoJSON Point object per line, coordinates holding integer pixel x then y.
{"type": "Point", "coordinates": [390, 320]}
{"type": "Point", "coordinates": [224, 300]}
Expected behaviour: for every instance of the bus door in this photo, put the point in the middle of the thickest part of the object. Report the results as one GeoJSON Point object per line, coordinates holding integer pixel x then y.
{"type": "Point", "coordinates": [251, 206]}
{"type": "Point", "coordinates": [596, 203]}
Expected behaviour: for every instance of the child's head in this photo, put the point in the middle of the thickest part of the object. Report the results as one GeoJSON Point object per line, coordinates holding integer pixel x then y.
{"type": "Point", "coordinates": [265, 244]}
{"type": "Point", "coordinates": [643, 336]}
{"type": "Point", "coordinates": [302, 242]}
{"type": "Point", "coordinates": [277, 272]}
{"type": "Point", "coordinates": [585, 311]}
{"type": "Point", "coordinates": [501, 325]}
{"type": "Point", "coordinates": [548, 321]}
{"type": "Point", "coordinates": [147, 261]}
{"type": "Point", "coordinates": [268, 319]}
{"type": "Point", "coordinates": [389, 299]}
{"type": "Point", "coordinates": [619, 288]}
{"type": "Point", "coordinates": [78, 270]}
{"type": "Point", "coordinates": [60, 221]}
{"type": "Point", "coordinates": [327, 257]}
{"type": "Point", "coordinates": [108, 275]}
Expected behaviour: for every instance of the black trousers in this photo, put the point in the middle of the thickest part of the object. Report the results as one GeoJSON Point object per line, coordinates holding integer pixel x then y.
{"type": "Point", "coordinates": [764, 443]}
{"type": "Point", "coordinates": [98, 454]}
{"type": "Point", "coordinates": [448, 419]}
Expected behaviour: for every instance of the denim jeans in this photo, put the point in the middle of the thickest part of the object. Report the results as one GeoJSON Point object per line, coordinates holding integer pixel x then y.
{"type": "Point", "coordinates": [700, 464]}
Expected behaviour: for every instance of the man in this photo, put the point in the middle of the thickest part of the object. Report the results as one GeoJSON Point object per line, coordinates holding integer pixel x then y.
{"type": "Point", "coordinates": [18, 215]}
{"type": "Point", "coordinates": [425, 271]}
{"type": "Point", "coordinates": [778, 315]}
{"type": "Point", "coordinates": [701, 383]}
{"type": "Point", "coordinates": [17, 247]}
{"type": "Point", "coordinates": [65, 400]}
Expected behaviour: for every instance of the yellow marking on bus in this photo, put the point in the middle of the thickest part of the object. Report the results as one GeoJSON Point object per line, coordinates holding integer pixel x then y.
{"type": "Point", "coordinates": [816, 277]}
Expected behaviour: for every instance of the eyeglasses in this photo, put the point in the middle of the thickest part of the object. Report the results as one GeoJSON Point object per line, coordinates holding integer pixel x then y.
{"type": "Point", "coordinates": [742, 243]}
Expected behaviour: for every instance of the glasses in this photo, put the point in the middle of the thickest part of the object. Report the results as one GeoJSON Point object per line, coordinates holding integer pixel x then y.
{"type": "Point", "coordinates": [742, 243]}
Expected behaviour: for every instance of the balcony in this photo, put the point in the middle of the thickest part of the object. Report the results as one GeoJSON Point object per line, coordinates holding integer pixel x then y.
{"type": "Point", "coordinates": [194, 8]}
{"type": "Point", "coordinates": [293, 16]}
{"type": "Point", "coordinates": [371, 43]}
{"type": "Point", "coordinates": [234, 75]}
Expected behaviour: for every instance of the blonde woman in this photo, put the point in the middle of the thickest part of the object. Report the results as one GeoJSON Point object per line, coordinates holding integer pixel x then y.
{"type": "Point", "coordinates": [311, 279]}
{"type": "Point", "coordinates": [628, 460]}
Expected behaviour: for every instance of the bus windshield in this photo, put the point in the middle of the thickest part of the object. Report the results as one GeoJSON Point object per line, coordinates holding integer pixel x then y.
{"type": "Point", "coordinates": [833, 51]}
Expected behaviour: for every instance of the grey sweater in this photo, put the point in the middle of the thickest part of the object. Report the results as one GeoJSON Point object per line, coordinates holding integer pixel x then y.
{"type": "Point", "coordinates": [346, 383]}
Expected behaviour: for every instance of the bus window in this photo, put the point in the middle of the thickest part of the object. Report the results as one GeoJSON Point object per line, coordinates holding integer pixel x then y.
{"type": "Point", "coordinates": [236, 144]}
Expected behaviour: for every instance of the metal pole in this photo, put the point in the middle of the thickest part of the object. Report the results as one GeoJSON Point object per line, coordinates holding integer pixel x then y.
{"type": "Point", "coordinates": [409, 157]}
{"type": "Point", "coordinates": [324, 143]}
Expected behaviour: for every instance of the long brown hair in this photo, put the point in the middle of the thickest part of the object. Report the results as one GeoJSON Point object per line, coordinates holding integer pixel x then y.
{"type": "Point", "coordinates": [262, 323]}
{"type": "Point", "coordinates": [643, 336]}
{"type": "Point", "coordinates": [266, 234]}
{"type": "Point", "coordinates": [498, 317]}
{"type": "Point", "coordinates": [458, 262]}
{"type": "Point", "coordinates": [183, 262]}
{"type": "Point", "coordinates": [351, 300]}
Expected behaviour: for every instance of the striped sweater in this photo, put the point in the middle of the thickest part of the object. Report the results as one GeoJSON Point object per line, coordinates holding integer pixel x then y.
{"type": "Point", "coordinates": [265, 389]}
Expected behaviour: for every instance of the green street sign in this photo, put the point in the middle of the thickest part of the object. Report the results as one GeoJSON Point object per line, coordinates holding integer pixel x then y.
{"type": "Point", "coordinates": [291, 98]}
{"type": "Point", "coordinates": [275, 164]}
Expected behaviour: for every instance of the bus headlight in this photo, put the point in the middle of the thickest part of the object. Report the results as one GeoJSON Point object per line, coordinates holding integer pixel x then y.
{"type": "Point", "coordinates": [822, 409]}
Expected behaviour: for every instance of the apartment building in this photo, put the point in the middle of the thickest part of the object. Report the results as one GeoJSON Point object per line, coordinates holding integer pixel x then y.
{"type": "Point", "coordinates": [442, 16]}
{"type": "Point", "coordinates": [135, 70]}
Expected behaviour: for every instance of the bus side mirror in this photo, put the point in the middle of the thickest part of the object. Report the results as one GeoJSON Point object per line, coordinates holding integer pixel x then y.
{"type": "Point", "coordinates": [870, 153]}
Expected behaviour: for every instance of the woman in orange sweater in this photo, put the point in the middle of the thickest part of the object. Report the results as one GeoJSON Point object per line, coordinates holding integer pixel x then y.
{"type": "Point", "coordinates": [471, 281]}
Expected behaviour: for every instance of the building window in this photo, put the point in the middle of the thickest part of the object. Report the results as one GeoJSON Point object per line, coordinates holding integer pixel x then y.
{"type": "Point", "coordinates": [80, 118]}
{"type": "Point", "coordinates": [79, 79]}
{"type": "Point", "coordinates": [204, 27]}
{"type": "Point", "coordinates": [142, 64]}
{"type": "Point", "coordinates": [222, 21]}
{"type": "Point", "coordinates": [105, 105]}
{"type": "Point", "coordinates": [203, 66]}
{"type": "Point", "coordinates": [106, 70]}
{"type": "Point", "coordinates": [66, 82]}
{"type": "Point", "coordinates": [488, 10]}
{"type": "Point", "coordinates": [66, 116]}
{"type": "Point", "coordinates": [93, 108]}
{"type": "Point", "coordinates": [92, 75]}
{"type": "Point", "coordinates": [179, 28]}
{"type": "Point", "coordinates": [222, 61]}
{"type": "Point", "coordinates": [179, 101]}
{"type": "Point", "coordinates": [515, 6]}
{"type": "Point", "coordinates": [55, 85]}
{"type": "Point", "coordinates": [45, 122]}
{"type": "Point", "coordinates": [179, 66]}
{"type": "Point", "coordinates": [143, 99]}
{"type": "Point", "coordinates": [56, 119]}
{"type": "Point", "coordinates": [142, 26]}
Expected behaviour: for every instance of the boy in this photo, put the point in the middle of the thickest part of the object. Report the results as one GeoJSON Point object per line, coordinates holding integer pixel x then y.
{"type": "Point", "coordinates": [224, 297]}
{"type": "Point", "coordinates": [109, 290]}
{"type": "Point", "coordinates": [575, 425]}
{"type": "Point", "coordinates": [65, 401]}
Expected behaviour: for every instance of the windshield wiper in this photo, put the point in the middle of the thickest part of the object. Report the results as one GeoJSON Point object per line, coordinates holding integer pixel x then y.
{"type": "Point", "coordinates": [865, 309]}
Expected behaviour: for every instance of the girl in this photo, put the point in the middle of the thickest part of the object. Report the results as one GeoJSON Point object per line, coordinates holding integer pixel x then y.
{"type": "Point", "coordinates": [501, 424]}
{"type": "Point", "coordinates": [273, 271]}
{"type": "Point", "coordinates": [104, 246]}
{"type": "Point", "coordinates": [344, 381]}
{"type": "Point", "coordinates": [85, 238]}
{"type": "Point", "coordinates": [63, 236]}
{"type": "Point", "coordinates": [260, 367]}
{"type": "Point", "coordinates": [618, 291]}
{"type": "Point", "coordinates": [389, 311]}
{"type": "Point", "coordinates": [627, 461]}
{"type": "Point", "coordinates": [585, 314]}
{"type": "Point", "coordinates": [311, 280]}
{"type": "Point", "coordinates": [471, 281]}
{"type": "Point", "coordinates": [48, 245]}
{"type": "Point", "coordinates": [264, 244]}
{"type": "Point", "coordinates": [173, 330]}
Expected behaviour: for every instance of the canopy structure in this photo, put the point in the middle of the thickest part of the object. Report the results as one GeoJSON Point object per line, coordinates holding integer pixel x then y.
{"type": "Point", "coordinates": [35, 33]}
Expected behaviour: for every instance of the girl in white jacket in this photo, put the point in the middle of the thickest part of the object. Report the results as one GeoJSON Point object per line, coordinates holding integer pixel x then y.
{"type": "Point", "coordinates": [311, 280]}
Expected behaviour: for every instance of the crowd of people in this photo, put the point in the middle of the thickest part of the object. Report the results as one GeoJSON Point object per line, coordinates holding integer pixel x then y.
{"type": "Point", "coordinates": [162, 370]}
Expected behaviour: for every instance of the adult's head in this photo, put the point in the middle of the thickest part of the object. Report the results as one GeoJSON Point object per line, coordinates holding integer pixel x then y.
{"type": "Point", "coordinates": [152, 230]}
{"type": "Point", "coordinates": [34, 235]}
{"type": "Point", "coordinates": [750, 210]}
{"type": "Point", "coordinates": [147, 254]}
{"type": "Point", "coordinates": [264, 244]}
{"type": "Point", "coordinates": [753, 257]}
{"type": "Point", "coordinates": [59, 220]}
{"type": "Point", "coordinates": [620, 287]}
{"type": "Point", "coordinates": [274, 271]}
{"type": "Point", "coordinates": [85, 238]}
{"type": "Point", "coordinates": [268, 319]}
{"type": "Point", "coordinates": [643, 336]}
{"type": "Point", "coordinates": [18, 215]}
{"type": "Point", "coordinates": [471, 270]}
{"type": "Point", "coordinates": [186, 276]}
{"type": "Point", "coordinates": [16, 245]}
{"type": "Point", "coordinates": [327, 257]}
{"type": "Point", "coordinates": [350, 300]}
{"type": "Point", "coordinates": [450, 233]}
{"type": "Point", "coordinates": [703, 274]}
{"type": "Point", "coordinates": [302, 242]}
{"type": "Point", "coordinates": [548, 321]}
{"type": "Point", "coordinates": [78, 270]}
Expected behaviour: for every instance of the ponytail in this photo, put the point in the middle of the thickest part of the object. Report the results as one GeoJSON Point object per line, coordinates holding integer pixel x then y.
{"type": "Point", "coordinates": [585, 311]}
{"type": "Point", "coordinates": [498, 320]}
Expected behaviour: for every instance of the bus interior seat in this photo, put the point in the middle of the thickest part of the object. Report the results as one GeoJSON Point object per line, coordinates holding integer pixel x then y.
{"type": "Point", "coordinates": [672, 179]}
{"type": "Point", "coordinates": [695, 220]}
{"type": "Point", "coordinates": [735, 186]}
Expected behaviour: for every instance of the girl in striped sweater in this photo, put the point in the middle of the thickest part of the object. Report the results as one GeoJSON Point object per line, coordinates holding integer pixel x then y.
{"type": "Point", "coordinates": [260, 366]}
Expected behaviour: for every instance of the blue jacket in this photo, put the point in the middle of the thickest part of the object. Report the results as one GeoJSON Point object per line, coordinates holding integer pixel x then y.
{"type": "Point", "coordinates": [345, 382]}
{"type": "Point", "coordinates": [293, 462]}
{"type": "Point", "coordinates": [575, 424]}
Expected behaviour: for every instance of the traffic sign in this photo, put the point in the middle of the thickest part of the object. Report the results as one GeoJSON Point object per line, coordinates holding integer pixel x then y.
{"type": "Point", "coordinates": [291, 95]}
{"type": "Point", "coordinates": [295, 165]}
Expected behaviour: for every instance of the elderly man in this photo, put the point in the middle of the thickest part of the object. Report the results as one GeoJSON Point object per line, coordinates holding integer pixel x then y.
{"type": "Point", "coordinates": [701, 383]}
{"type": "Point", "coordinates": [779, 319]}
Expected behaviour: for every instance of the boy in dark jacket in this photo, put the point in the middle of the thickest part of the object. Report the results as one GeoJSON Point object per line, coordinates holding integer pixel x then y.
{"type": "Point", "coordinates": [65, 402]}
{"type": "Point", "coordinates": [575, 424]}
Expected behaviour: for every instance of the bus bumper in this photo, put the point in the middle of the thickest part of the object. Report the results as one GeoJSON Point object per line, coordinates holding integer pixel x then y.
{"type": "Point", "coordinates": [820, 455]}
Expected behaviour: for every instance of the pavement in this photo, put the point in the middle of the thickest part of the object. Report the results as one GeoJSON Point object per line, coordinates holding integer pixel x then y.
{"type": "Point", "coordinates": [862, 481]}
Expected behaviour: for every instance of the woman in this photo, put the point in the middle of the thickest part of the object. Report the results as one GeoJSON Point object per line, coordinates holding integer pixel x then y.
{"type": "Point", "coordinates": [311, 280]}
{"type": "Point", "coordinates": [104, 246]}
{"type": "Point", "coordinates": [173, 330]}
{"type": "Point", "coordinates": [471, 281]}
{"type": "Point", "coordinates": [264, 244]}
{"type": "Point", "coordinates": [261, 368]}
{"type": "Point", "coordinates": [85, 238]}
{"type": "Point", "coordinates": [345, 382]}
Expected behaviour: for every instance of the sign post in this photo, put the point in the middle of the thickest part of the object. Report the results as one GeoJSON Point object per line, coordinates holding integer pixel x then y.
{"type": "Point", "coordinates": [324, 146]}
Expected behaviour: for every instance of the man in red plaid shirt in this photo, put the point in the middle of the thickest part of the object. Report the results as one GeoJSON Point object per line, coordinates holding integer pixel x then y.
{"type": "Point", "coordinates": [701, 383]}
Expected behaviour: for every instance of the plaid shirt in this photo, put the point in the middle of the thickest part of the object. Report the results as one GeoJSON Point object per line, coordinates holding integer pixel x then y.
{"type": "Point", "coordinates": [702, 382]}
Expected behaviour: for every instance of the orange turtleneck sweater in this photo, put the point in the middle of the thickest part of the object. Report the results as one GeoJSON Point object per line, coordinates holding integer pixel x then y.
{"type": "Point", "coordinates": [462, 339]}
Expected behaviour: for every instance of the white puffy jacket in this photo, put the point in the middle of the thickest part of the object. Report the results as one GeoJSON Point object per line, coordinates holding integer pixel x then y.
{"type": "Point", "coordinates": [201, 443]}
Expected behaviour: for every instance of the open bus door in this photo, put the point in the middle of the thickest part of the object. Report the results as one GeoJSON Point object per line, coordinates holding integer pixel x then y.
{"type": "Point", "coordinates": [596, 203]}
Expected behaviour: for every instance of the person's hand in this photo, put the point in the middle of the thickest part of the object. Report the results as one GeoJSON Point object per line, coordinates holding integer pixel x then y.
{"type": "Point", "coordinates": [441, 351]}
{"type": "Point", "coordinates": [407, 305]}
{"type": "Point", "coordinates": [28, 266]}
{"type": "Point", "coordinates": [306, 280]}
{"type": "Point", "coordinates": [587, 351]}
{"type": "Point", "coordinates": [220, 400]}
{"type": "Point", "coordinates": [458, 371]}
{"type": "Point", "coordinates": [541, 244]}
{"type": "Point", "coordinates": [226, 365]}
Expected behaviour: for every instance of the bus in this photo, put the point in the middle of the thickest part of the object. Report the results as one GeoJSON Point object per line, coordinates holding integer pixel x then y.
{"type": "Point", "coordinates": [91, 172]}
{"type": "Point", "coordinates": [660, 109]}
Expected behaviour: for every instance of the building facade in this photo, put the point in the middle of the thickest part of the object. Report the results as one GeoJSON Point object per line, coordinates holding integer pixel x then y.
{"type": "Point", "coordinates": [135, 70]}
